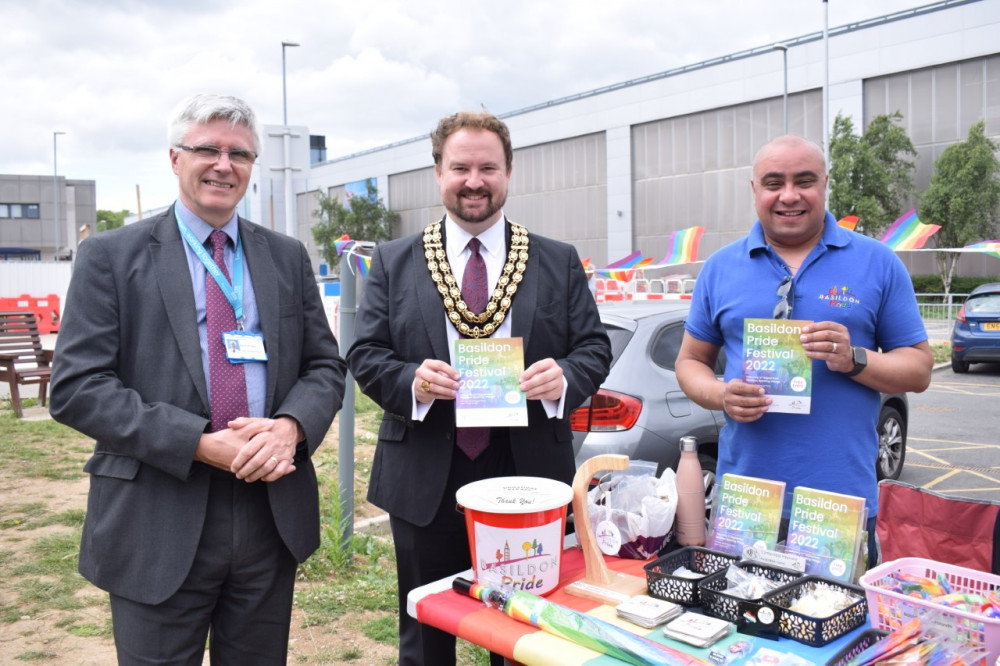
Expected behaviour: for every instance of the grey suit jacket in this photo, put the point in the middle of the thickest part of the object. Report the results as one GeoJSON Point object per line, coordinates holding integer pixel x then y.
{"type": "Point", "coordinates": [401, 322]}
{"type": "Point", "coordinates": [128, 373]}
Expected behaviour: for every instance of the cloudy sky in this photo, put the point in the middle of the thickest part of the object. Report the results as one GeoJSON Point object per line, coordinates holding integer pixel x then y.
{"type": "Point", "coordinates": [367, 73]}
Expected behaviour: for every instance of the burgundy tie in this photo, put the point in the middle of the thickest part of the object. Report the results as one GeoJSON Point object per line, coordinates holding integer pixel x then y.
{"type": "Point", "coordinates": [474, 441]}
{"type": "Point", "coordinates": [227, 382]}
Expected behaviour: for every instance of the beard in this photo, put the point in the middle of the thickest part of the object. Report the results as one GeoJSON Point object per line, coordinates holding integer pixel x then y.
{"type": "Point", "coordinates": [460, 212]}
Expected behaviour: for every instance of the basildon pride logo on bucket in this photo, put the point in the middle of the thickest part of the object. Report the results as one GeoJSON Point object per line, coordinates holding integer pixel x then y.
{"type": "Point", "coordinates": [516, 527]}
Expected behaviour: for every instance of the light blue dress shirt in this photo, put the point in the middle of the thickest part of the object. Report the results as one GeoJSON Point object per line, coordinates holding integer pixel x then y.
{"type": "Point", "coordinates": [256, 372]}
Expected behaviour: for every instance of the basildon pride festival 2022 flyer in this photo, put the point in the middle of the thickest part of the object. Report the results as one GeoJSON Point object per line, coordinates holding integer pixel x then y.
{"type": "Point", "coordinates": [489, 394]}
{"type": "Point", "coordinates": [773, 357]}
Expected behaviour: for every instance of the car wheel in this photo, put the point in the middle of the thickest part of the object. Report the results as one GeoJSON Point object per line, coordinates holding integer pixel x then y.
{"type": "Point", "coordinates": [708, 465]}
{"type": "Point", "coordinates": [959, 367]}
{"type": "Point", "coordinates": [891, 444]}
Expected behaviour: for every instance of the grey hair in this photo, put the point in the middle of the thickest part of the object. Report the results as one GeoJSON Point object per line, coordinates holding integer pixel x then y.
{"type": "Point", "coordinates": [206, 107]}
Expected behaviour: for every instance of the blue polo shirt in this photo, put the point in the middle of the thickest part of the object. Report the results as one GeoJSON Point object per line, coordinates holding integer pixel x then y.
{"type": "Point", "coordinates": [847, 278]}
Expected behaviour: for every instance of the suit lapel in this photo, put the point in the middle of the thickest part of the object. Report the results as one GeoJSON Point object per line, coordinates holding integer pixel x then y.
{"type": "Point", "coordinates": [166, 250]}
{"type": "Point", "coordinates": [522, 310]}
{"type": "Point", "coordinates": [265, 287]}
{"type": "Point", "coordinates": [429, 303]}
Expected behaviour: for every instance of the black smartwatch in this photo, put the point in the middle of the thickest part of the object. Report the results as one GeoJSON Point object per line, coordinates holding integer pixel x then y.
{"type": "Point", "coordinates": [860, 355]}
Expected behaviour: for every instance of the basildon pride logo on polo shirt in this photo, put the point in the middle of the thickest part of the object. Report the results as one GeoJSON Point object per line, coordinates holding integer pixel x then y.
{"type": "Point", "coordinates": [840, 296]}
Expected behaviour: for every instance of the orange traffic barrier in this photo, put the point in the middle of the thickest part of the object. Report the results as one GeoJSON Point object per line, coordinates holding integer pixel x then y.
{"type": "Point", "coordinates": [46, 310]}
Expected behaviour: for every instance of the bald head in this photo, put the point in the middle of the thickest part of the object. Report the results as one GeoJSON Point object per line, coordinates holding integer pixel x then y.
{"type": "Point", "coordinates": [789, 143]}
{"type": "Point", "coordinates": [789, 188]}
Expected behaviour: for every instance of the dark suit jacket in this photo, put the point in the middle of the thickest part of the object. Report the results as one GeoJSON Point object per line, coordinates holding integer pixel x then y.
{"type": "Point", "coordinates": [401, 322]}
{"type": "Point", "coordinates": [128, 373]}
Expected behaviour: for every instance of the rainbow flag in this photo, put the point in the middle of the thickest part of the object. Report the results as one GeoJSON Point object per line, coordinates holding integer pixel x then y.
{"type": "Point", "coordinates": [683, 246]}
{"type": "Point", "coordinates": [341, 243]}
{"type": "Point", "coordinates": [624, 269]}
{"type": "Point", "coordinates": [990, 247]}
{"type": "Point", "coordinates": [908, 232]}
{"type": "Point", "coordinates": [849, 222]}
{"type": "Point", "coordinates": [363, 264]}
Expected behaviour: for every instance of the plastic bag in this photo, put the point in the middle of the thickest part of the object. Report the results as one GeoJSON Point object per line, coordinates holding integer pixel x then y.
{"type": "Point", "coordinates": [633, 514]}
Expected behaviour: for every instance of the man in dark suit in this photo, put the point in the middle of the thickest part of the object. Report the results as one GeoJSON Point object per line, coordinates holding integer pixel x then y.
{"type": "Point", "coordinates": [402, 359]}
{"type": "Point", "coordinates": [203, 497]}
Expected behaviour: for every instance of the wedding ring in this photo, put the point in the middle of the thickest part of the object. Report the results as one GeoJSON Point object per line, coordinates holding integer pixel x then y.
{"type": "Point", "coordinates": [425, 386]}
{"type": "Point", "coordinates": [834, 350]}
{"type": "Point", "coordinates": [274, 459]}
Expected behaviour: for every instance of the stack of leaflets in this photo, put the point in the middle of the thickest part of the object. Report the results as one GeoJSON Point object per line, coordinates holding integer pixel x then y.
{"type": "Point", "coordinates": [647, 611]}
{"type": "Point", "coordinates": [828, 530]}
{"type": "Point", "coordinates": [697, 629]}
{"type": "Point", "coordinates": [747, 510]}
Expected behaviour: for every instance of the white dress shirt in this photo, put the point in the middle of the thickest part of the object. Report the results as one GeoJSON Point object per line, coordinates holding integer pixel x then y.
{"type": "Point", "coordinates": [493, 249]}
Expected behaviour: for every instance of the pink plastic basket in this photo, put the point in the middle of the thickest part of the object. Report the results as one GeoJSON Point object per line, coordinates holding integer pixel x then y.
{"type": "Point", "coordinates": [889, 609]}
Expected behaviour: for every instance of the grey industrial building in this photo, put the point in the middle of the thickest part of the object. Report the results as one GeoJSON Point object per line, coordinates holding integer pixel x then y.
{"type": "Point", "coordinates": [619, 168]}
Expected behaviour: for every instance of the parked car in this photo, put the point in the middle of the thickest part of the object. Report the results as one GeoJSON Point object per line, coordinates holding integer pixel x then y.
{"type": "Point", "coordinates": [975, 337]}
{"type": "Point", "coordinates": [640, 410]}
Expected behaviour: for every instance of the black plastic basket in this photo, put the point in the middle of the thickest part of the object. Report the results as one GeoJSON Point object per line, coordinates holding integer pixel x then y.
{"type": "Point", "coordinates": [816, 631]}
{"type": "Point", "coordinates": [716, 601]}
{"type": "Point", "coordinates": [865, 640]}
{"type": "Point", "coordinates": [678, 589]}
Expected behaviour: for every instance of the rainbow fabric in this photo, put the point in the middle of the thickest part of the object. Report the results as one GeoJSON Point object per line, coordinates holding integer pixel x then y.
{"type": "Point", "coordinates": [908, 232]}
{"type": "Point", "coordinates": [363, 264]}
{"type": "Point", "coordinates": [624, 269]}
{"type": "Point", "coordinates": [990, 247]}
{"type": "Point", "coordinates": [849, 222]}
{"type": "Point", "coordinates": [683, 246]}
{"type": "Point", "coordinates": [341, 243]}
{"type": "Point", "coordinates": [441, 607]}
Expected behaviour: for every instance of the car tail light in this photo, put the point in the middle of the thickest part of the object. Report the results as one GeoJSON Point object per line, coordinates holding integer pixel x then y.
{"type": "Point", "coordinates": [960, 317]}
{"type": "Point", "coordinates": [608, 412]}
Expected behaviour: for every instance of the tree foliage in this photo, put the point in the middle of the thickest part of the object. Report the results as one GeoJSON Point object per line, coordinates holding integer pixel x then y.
{"type": "Point", "coordinates": [363, 218]}
{"type": "Point", "coordinates": [109, 219]}
{"type": "Point", "coordinates": [871, 174]}
{"type": "Point", "coordinates": [963, 197]}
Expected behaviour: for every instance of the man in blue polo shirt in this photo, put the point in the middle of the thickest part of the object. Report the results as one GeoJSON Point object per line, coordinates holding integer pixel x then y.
{"type": "Point", "coordinates": [866, 337]}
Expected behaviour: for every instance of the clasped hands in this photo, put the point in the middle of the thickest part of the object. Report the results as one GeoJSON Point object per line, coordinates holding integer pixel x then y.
{"type": "Point", "coordinates": [253, 449]}
{"type": "Point", "coordinates": [436, 380]}
{"type": "Point", "coordinates": [824, 340]}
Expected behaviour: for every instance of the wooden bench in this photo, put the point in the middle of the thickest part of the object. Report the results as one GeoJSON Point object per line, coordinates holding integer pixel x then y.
{"type": "Point", "coordinates": [23, 362]}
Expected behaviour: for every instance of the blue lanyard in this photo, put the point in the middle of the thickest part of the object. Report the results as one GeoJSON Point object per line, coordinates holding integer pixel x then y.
{"type": "Point", "coordinates": [234, 292]}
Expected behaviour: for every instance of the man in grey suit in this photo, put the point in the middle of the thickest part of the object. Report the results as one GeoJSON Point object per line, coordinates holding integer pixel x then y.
{"type": "Point", "coordinates": [402, 359]}
{"type": "Point", "coordinates": [203, 496]}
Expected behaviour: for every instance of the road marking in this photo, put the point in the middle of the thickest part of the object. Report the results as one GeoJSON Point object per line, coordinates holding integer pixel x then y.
{"type": "Point", "coordinates": [974, 445]}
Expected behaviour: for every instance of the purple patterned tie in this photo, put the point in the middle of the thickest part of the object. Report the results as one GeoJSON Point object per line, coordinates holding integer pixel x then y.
{"type": "Point", "coordinates": [475, 292]}
{"type": "Point", "coordinates": [227, 386]}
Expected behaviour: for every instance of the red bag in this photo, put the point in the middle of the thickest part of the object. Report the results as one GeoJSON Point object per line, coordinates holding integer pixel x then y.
{"type": "Point", "coordinates": [914, 522]}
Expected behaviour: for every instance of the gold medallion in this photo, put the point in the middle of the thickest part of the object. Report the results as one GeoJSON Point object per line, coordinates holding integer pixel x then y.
{"type": "Point", "coordinates": [465, 321]}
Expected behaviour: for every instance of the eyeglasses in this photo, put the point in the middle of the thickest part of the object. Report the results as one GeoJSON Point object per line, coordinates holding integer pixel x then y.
{"type": "Point", "coordinates": [783, 309]}
{"type": "Point", "coordinates": [212, 154]}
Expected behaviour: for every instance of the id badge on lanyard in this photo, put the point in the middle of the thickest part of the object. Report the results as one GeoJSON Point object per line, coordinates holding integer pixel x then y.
{"type": "Point", "coordinates": [241, 346]}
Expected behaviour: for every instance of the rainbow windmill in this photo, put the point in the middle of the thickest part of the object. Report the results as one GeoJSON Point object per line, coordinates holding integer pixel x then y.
{"type": "Point", "coordinates": [356, 261]}
{"type": "Point", "coordinates": [908, 232]}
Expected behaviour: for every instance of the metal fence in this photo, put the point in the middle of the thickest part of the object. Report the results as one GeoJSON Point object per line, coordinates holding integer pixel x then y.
{"type": "Point", "coordinates": [938, 312]}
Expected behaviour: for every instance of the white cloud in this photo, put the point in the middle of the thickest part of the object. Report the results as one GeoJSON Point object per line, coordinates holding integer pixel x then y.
{"type": "Point", "coordinates": [108, 72]}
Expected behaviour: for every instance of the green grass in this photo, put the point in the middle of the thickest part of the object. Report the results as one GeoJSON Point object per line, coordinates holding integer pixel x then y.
{"type": "Point", "coordinates": [942, 353]}
{"type": "Point", "coordinates": [333, 583]}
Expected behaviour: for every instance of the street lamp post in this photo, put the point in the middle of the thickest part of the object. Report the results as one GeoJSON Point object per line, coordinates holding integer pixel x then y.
{"type": "Point", "coordinates": [284, 89]}
{"type": "Point", "coordinates": [55, 194]}
{"type": "Point", "coordinates": [286, 140]}
{"type": "Point", "coordinates": [784, 56]}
